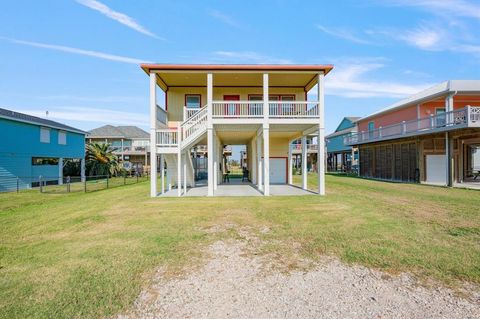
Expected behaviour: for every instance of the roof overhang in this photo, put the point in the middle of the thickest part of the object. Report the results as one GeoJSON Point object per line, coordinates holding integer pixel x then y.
{"type": "Point", "coordinates": [236, 75]}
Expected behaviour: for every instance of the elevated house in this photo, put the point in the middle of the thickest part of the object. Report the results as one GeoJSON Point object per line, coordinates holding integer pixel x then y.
{"type": "Point", "coordinates": [130, 143]}
{"type": "Point", "coordinates": [35, 149]}
{"type": "Point", "coordinates": [431, 137]}
{"type": "Point", "coordinates": [263, 107]}
{"type": "Point", "coordinates": [342, 157]}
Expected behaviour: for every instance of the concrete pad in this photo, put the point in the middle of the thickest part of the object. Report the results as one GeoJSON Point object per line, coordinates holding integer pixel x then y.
{"type": "Point", "coordinates": [241, 189]}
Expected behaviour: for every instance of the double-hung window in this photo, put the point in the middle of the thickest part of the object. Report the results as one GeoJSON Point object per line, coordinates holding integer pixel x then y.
{"type": "Point", "coordinates": [44, 135]}
{"type": "Point", "coordinates": [62, 138]}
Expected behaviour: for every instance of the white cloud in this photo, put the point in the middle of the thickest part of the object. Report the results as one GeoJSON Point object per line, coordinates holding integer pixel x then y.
{"type": "Point", "coordinates": [90, 115]}
{"type": "Point", "coordinates": [223, 18]}
{"type": "Point", "coordinates": [95, 54]}
{"type": "Point", "coordinates": [353, 80]}
{"type": "Point", "coordinates": [117, 16]}
{"type": "Point", "coordinates": [247, 57]}
{"type": "Point", "coordinates": [459, 8]}
{"type": "Point", "coordinates": [342, 34]}
{"type": "Point", "coordinates": [423, 37]}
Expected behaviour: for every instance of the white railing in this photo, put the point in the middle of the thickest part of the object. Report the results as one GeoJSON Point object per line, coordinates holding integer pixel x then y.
{"type": "Point", "coordinates": [298, 147]}
{"type": "Point", "coordinates": [188, 112]}
{"type": "Point", "coordinates": [294, 109]}
{"type": "Point", "coordinates": [237, 109]}
{"type": "Point", "coordinates": [467, 116]}
{"type": "Point", "coordinates": [161, 115]}
{"type": "Point", "coordinates": [195, 124]}
{"type": "Point", "coordinates": [167, 137]}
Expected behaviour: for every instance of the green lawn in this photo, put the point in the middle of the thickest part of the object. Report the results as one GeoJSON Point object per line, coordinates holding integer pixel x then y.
{"type": "Point", "coordinates": [88, 255]}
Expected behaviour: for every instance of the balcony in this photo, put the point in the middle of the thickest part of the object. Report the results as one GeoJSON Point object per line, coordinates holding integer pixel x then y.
{"type": "Point", "coordinates": [255, 110]}
{"type": "Point", "coordinates": [297, 148]}
{"type": "Point", "coordinates": [468, 116]}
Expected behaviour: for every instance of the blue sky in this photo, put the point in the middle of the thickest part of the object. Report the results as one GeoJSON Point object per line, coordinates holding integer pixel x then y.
{"type": "Point", "coordinates": [79, 59]}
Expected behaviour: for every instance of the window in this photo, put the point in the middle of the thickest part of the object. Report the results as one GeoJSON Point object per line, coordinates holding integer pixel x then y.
{"type": "Point", "coordinates": [44, 161]}
{"type": "Point", "coordinates": [62, 138]}
{"type": "Point", "coordinates": [193, 100]}
{"type": "Point", "coordinates": [44, 135]}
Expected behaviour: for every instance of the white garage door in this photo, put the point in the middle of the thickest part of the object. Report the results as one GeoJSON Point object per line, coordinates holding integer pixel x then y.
{"type": "Point", "coordinates": [278, 170]}
{"type": "Point", "coordinates": [436, 169]}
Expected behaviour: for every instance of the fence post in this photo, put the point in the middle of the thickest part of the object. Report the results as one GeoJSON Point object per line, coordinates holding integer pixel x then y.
{"type": "Point", "coordinates": [18, 184]}
{"type": "Point", "coordinates": [107, 180]}
{"type": "Point", "coordinates": [85, 185]}
{"type": "Point", "coordinates": [137, 176]}
{"type": "Point", "coordinates": [68, 184]}
{"type": "Point", "coordinates": [124, 178]}
{"type": "Point", "coordinates": [40, 183]}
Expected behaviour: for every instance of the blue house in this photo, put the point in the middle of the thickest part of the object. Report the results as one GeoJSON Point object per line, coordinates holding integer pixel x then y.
{"type": "Point", "coordinates": [339, 155]}
{"type": "Point", "coordinates": [33, 147]}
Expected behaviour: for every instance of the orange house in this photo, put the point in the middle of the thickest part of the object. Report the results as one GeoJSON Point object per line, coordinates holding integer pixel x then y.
{"type": "Point", "coordinates": [431, 137]}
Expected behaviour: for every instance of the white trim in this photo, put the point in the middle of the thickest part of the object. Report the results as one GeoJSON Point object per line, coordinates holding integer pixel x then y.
{"type": "Point", "coordinates": [153, 135]}
{"type": "Point", "coordinates": [321, 134]}
{"type": "Point", "coordinates": [42, 124]}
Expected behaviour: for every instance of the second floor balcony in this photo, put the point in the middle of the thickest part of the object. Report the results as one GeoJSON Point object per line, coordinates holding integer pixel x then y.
{"type": "Point", "coordinates": [466, 117]}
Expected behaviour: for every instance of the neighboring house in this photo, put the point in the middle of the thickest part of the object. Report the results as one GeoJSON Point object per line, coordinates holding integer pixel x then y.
{"type": "Point", "coordinates": [342, 157]}
{"type": "Point", "coordinates": [34, 148]}
{"type": "Point", "coordinates": [263, 107]}
{"type": "Point", "coordinates": [431, 137]}
{"type": "Point", "coordinates": [311, 153]}
{"type": "Point", "coordinates": [130, 143]}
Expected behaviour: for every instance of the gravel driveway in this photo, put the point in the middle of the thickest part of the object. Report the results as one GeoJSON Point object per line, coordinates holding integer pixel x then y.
{"type": "Point", "coordinates": [237, 284]}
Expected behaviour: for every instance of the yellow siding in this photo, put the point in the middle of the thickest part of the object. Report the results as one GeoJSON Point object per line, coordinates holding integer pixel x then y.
{"type": "Point", "coordinates": [176, 97]}
{"type": "Point", "coordinates": [278, 147]}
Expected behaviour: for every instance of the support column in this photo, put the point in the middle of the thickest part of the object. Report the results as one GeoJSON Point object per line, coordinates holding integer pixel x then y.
{"type": "Point", "coordinates": [266, 160]}
{"type": "Point", "coordinates": [215, 162]}
{"type": "Point", "coordinates": [122, 144]}
{"type": "Point", "coordinates": [60, 171]}
{"type": "Point", "coordinates": [304, 162]}
{"type": "Point", "coordinates": [185, 158]}
{"type": "Point", "coordinates": [179, 173]}
{"type": "Point", "coordinates": [259, 163]}
{"type": "Point", "coordinates": [153, 135]}
{"type": "Point", "coordinates": [321, 135]}
{"type": "Point", "coordinates": [449, 159]}
{"type": "Point", "coordinates": [82, 169]}
{"type": "Point", "coordinates": [253, 159]}
{"type": "Point", "coordinates": [266, 137]}
{"type": "Point", "coordinates": [162, 173]}
{"type": "Point", "coordinates": [289, 163]}
{"type": "Point", "coordinates": [210, 134]}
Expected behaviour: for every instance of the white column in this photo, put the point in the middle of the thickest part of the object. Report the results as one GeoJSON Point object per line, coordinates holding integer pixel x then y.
{"type": "Point", "coordinates": [153, 135]}
{"type": "Point", "coordinates": [60, 171]}
{"type": "Point", "coordinates": [449, 159]}
{"type": "Point", "coordinates": [266, 138]}
{"type": "Point", "coordinates": [253, 159]}
{"type": "Point", "coordinates": [266, 159]}
{"type": "Point", "coordinates": [179, 173]}
{"type": "Point", "coordinates": [259, 163]}
{"type": "Point", "coordinates": [82, 169]}
{"type": "Point", "coordinates": [210, 137]}
{"type": "Point", "coordinates": [162, 173]}
{"type": "Point", "coordinates": [289, 162]}
{"type": "Point", "coordinates": [304, 162]}
{"type": "Point", "coordinates": [215, 161]}
{"type": "Point", "coordinates": [185, 158]}
{"type": "Point", "coordinates": [321, 135]}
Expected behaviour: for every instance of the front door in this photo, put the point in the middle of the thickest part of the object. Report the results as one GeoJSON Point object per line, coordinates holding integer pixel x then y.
{"type": "Point", "coordinates": [233, 108]}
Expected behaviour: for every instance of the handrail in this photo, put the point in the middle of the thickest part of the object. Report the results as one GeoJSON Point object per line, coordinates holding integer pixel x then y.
{"type": "Point", "coordinates": [194, 124]}
{"type": "Point", "coordinates": [237, 109]}
{"type": "Point", "coordinates": [445, 120]}
{"type": "Point", "coordinates": [167, 137]}
{"type": "Point", "coordinates": [189, 112]}
{"type": "Point", "coordinates": [293, 109]}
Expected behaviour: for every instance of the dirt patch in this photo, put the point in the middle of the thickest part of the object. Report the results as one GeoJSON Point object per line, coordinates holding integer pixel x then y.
{"type": "Point", "coordinates": [237, 282]}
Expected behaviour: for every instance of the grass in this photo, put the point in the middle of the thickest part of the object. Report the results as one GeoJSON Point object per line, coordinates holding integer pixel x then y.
{"type": "Point", "coordinates": [88, 255]}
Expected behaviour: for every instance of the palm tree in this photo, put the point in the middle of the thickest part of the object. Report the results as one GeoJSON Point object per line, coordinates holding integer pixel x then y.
{"type": "Point", "coordinates": [101, 160]}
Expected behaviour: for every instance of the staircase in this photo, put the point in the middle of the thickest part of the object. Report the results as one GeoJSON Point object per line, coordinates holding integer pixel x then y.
{"type": "Point", "coordinates": [172, 141]}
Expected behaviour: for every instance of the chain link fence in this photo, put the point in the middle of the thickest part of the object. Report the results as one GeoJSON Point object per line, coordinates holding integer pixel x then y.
{"type": "Point", "coordinates": [68, 184]}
